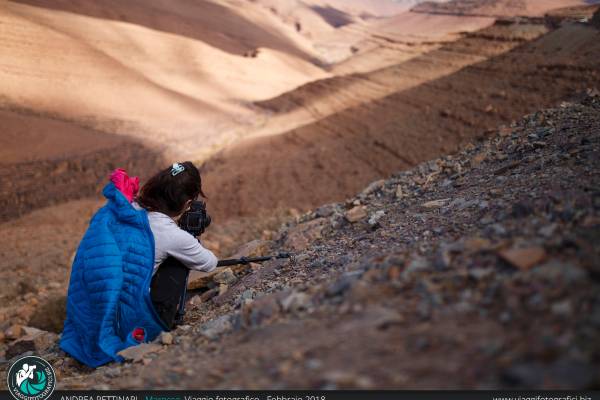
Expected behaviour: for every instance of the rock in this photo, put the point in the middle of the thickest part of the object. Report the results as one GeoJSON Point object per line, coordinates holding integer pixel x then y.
{"type": "Point", "coordinates": [522, 209]}
{"type": "Point", "coordinates": [476, 245]}
{"type": "Point", "coordinates": [263, 309]}
{"type": "Point", "coordinates": [443, 259]}
{"type": "Point", "coordinates": [33, 339]}
{"type": "Point", "coordinates": [399, 192]}
{"type": "Point", "coordinates": [435, 203]}
{"type": "Point", "coordinates": [216, 327]}
{"type": "Point", "coordinates": [384, 318]}
{"type": "Point", "coordinates": [112, 372]}
{"type": "Point", "coordinates": [344, 380]}
{"type": "Point", "coordinates": [356, 214]}
{"type": "Point", "coordinates": [14, 332]}
{"type": "Point", "coordinates": [223, 288]}
{"type": "Point", "coordinates": [225, 276]}
{"type": "Point", "coordinates": [340, 286]}
{"type": "Point", "coordinates": [417, 264]}
{"type": "Point", "coordinates": [523, 258]}
{"type": "Point", "coordinates": [136, 353]}
{"type": "Point", "coordinates": [295, 301]}
{"type": "Point", "coordinates": [301, 235]}
{"type": "Point", "coordinates": [337, 220]}
{"type": "Point", "coordinates": [496, 229]}
{"type": "Point", "coordinates": [313, 364]}
{"type": "Point", "coordinates": [54, 285]}
{"type": "Point", "coordinates": [460, 203]}
{"type": "Point", "coordinates": [373, 187]}
{"type": "Point", "coordinates": [548, 230]}
{"type": "Point", "coordinates": [480, 273]}
{"type": "Point", "coordinates": [507, 167]}
{"type": "Point", "coordinates": [248, 294]}
{"type": "Point", "coordinates": [166, 338]}
{"type": "Point", "coordinates": [375, 217]}
{"type": "Point", "coordinates": [209, 294]}
{"type": "Point", "coordinates": [326, 210]}
{"type": "Point", "coordinates": [562, 308]}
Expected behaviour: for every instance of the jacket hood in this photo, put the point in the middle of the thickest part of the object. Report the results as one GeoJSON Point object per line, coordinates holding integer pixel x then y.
{"type": "Point", "coordinates": [120, 206]}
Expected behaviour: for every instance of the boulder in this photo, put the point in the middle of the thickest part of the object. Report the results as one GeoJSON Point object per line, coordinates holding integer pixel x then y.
{"type": "Point", "coordinates": [356, 214]}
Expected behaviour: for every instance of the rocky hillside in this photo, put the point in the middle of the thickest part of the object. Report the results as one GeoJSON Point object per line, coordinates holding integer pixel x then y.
{"type": "Point", "coordinates": [476, 270]}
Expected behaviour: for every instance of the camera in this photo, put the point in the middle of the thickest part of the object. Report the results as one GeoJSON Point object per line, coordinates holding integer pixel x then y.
{"type": "Point", "coordinates": [195, 220]}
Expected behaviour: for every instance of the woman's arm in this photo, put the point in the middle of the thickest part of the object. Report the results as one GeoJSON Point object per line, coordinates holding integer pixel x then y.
{"type": "Point", "coordinates": [187, 249]}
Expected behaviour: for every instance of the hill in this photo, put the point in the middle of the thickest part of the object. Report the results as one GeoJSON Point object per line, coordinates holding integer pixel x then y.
{"type": "Point", "coordinates": [333, 136]}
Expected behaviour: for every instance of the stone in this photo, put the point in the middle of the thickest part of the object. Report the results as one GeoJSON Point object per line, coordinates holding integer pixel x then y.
{"type": "Point", "coordinates": [340, 286]}
{"type": "Point", "coordinates": [435, 203]}
{"type": "Point", "coordinates": [337, 220]}
{"type": "Point", "coordinates": [375, 217]}
{"type": "Point", "coordinates": [209, 294]}
{"type": "Point", "coordinates": [345, 380]}
{"type": "Point", "coordinates": [225, 276]}
{"type": "Point", "coordinates": [223, 288]}
{"type": "Point", "coordinates": [326, 210]}
{"type": "Point", "coordinates": [166, 338]}
{"type": "Point", "coordinates": [138, 352]}
{"type": "Point", "coordinates": [373, 187]}
{"type": "Point", "coordinates": [112, 372]}
{"type": "Point", "coordinates": [476, 244]}
{"type": "Point", "coordinates": [417, 264]}
{"type": "Point", "coordinates": [523, 258]}
{"type": "Point", "coordinates": [548, 230]}
{"type": "Point", "coordinates": [33, 339]}
{"type": "Point", "coordinates": [496, 229]}
{"type": "Point", "coordinates": [14, 332]}
{"type": "Point", "coordinates": [480, 273]}
{"type": "Point", "coordinates": [295, 301]}
{"type": "Point", "coordinates": [356, 214]}
{"type": "Point", "coordinates": [262, 310]}
{"type": "Point", "coordinates": [562, 308]}
{"type": "Point", "coordinates": [399, 192]}
{"type": "Point", "coordinates": [216, 327]}
{"type": "Point", "coordinates": [248, 294]}
{"type": "Point", "coordinates": [385, 318]}
{"type": "Point", "coordinates": [301, 235]}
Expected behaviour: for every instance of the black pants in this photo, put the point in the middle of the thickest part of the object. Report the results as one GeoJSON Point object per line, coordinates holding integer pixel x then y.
{"type": "Point", "coordinates": [168, 290]}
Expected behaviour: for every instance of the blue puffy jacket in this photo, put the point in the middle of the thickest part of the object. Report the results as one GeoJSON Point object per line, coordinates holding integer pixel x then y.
{"type": "Point", "coordinates": [109, 290]}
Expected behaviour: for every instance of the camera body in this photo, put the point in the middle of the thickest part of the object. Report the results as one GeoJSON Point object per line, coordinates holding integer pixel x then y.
{"type": "Point", "coordinates": [196, 219]}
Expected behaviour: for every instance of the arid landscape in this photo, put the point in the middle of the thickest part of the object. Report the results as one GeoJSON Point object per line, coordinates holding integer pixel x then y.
{"type": "Point", "coordinates": [473, 125]}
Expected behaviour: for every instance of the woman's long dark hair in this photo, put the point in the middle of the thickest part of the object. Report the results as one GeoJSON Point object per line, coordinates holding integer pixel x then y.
{"type": "Point", "coordinates": [168, 193]}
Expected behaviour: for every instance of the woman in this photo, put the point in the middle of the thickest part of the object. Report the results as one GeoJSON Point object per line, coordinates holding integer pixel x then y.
{"type": "Point", "coordinates": [109, 304]}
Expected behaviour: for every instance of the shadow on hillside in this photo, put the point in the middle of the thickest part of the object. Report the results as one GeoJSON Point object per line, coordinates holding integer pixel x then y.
{"type": "Point", "coordinates": [58, 177]}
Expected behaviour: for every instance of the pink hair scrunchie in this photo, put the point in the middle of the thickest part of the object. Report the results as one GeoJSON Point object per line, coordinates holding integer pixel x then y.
{"type": "Point", "coordinates": [129, 186]}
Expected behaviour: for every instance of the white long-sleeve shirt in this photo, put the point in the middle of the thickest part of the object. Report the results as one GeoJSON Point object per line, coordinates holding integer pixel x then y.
{"type": "Point", "coordinates": [171, 240]}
